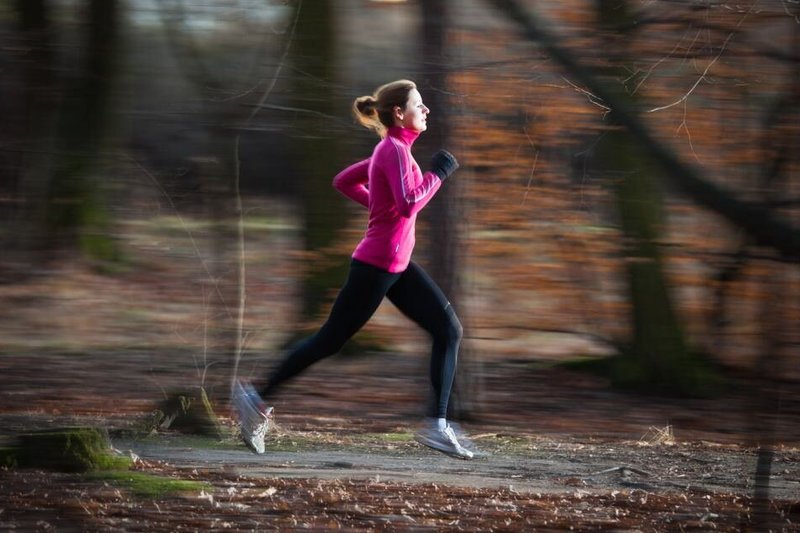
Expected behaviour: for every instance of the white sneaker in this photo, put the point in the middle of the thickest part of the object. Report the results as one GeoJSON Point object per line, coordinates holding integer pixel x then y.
{"type": "Point", "coordinates": [465, 441]}
{"type": "Point", "coordinates": [442, 440]}
{"type": "Point", "coordinates": [254, 415]}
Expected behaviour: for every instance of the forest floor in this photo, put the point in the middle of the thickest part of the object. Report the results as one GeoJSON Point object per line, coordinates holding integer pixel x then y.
{"type": "Point", "coordinates": [562, 451]}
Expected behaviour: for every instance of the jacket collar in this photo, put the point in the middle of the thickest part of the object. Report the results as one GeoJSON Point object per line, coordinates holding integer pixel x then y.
{"type": "Point", "coordinates": [404, 135]}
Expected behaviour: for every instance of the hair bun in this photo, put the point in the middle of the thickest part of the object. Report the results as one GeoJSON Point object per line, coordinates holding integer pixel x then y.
{"type": "Point", "coordinates": [366, 105]}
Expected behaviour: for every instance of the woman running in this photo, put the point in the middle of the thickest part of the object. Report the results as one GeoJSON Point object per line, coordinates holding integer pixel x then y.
{"type": "Point", "coordinates": [391, 185]}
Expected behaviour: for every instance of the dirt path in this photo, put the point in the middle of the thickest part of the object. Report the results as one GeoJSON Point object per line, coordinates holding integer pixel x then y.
{"type": "Point", "coordinates": [517, 461]}
{"type": "Point", "coordinates": [523, 464]}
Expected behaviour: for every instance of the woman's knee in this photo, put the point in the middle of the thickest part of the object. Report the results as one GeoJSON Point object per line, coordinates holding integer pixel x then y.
{"type": "Point", "coordinates": [453, 329]}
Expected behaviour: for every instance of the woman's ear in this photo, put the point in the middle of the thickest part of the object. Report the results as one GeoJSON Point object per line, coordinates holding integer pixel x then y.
{"type": "Point", "coordinates": [398, 113]}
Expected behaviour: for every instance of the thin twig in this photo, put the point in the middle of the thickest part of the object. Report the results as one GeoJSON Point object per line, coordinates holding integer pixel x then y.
{"type": "Point", "coordinates": [157, 184]}
{"type": "Point", "coordinates": [655, 65]}
{"type": "Point", "coordinates": [592, 98]}
{"type": "Point", "coordinates": [701, 78]}
{"type": "Point", "coordinates": [530, 178]}
{"type": "Point", "coordinates": [623, 470]}
{"type": "Point", "coordinates": [706, 70]}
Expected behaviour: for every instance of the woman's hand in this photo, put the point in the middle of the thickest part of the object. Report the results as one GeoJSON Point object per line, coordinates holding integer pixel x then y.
{"type": "Point", "coordinates": [443, 164]}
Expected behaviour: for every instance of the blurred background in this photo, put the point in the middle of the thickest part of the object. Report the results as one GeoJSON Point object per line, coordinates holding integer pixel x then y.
{"type": "Point", "coordinates": [627, 202]}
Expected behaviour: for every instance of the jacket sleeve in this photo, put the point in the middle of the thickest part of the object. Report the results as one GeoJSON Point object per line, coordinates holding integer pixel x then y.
{"type": "Point", "coordinates": [352, 182]}
{"type": "Point", "coordinates": [411, 189]}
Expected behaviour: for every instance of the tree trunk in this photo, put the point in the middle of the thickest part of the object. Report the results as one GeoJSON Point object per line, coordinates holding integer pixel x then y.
{"type": "Point", "coordinates": [443, 213]}
{"type": "Point", "coordinates": [777, 329]}
{"type": "Point", "coordinates": [670, 366]}
{"type": "Point", "coordinates": [316, 156]}
{"type": "Point", "coordinates": [29, 124]}
{"type": "Point", "coordinates": [658, 357]}
{"type": "Point", "coordinates": [76, 212]}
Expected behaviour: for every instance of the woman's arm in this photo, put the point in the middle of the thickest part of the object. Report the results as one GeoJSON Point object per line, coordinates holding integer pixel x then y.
{"type": "Point", "coordinates": [411, 189]}
{"type": "Point", "coordinates": [352, 182]}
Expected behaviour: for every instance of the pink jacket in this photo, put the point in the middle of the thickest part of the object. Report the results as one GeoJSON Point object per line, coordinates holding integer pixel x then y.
{"type": "Point", "coordinates": [394, 189]}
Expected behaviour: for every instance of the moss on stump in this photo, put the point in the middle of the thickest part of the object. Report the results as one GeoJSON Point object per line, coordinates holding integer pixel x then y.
{"type": "Point", "coordinates": [78, 449]}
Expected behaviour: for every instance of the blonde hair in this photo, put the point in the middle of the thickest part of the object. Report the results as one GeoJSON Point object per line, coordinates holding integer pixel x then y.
{"type": "Point", "coordinates": [376, 111]}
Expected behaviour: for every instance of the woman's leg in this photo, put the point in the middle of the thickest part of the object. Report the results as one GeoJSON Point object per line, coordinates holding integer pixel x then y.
{"type": "Point", "coordinates": [420, 299]}
{"type": "Point", "coordinates": [361, 295]}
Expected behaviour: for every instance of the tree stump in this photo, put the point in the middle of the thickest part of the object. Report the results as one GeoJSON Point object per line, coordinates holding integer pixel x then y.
{"type": "Point", "coordinates": [188, 412]}
{"type": "Point", "coordinates": [78, 449]}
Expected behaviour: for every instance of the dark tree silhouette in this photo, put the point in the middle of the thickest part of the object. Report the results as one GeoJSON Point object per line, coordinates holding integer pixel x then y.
{"type": "Point", "coordinates": [445, 212]}
{"type": "Point", "coordinates": [316, 142]}
{"type": "Point", "coordinates": [73, 212]}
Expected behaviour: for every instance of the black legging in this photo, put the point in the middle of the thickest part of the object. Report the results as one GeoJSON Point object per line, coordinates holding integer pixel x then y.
{"type": "Point", "coordinates": [414, 293]}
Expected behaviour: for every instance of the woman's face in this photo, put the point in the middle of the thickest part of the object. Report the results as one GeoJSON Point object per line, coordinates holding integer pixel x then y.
{"type": "Point", "coordinates": [415, 114]}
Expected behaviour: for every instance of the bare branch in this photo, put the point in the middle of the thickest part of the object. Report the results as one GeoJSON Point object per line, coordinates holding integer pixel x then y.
{"type": "Point", "coordinates": [157, 184]}
{"type": "Point", "coordinates": [592, 98]}
{"type": "Point", "coordinates": [530, 177]}
{"type": "Point", "coordinates": [764, 226]}
{"type": "Point", "coordinates": [701, 78]}
{"type": "Point", "coordinates": [654, 66]}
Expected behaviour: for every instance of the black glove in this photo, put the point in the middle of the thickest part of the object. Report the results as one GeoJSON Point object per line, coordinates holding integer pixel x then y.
{"type": "Point", "coordinates": [443, 164]}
